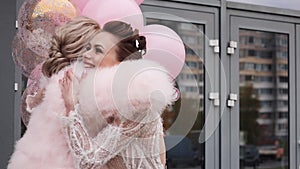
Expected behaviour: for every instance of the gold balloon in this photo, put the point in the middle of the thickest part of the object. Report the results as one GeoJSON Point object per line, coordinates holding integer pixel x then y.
{"type": "Point", "coordinates": [37, 21]}
{"type": "Point", "coordinates": [51, 12]}
{"type": "Point", "coordinates": [64, 7]}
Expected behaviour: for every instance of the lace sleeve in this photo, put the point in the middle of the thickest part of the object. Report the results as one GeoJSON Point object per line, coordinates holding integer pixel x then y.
{"type": "Point", "coordinates": [91, 153]}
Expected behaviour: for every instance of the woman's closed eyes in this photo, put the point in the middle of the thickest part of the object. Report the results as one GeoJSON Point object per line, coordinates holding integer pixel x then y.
{"type": "Point", "coordinates": [98, 50]}
{"type": "Point", "coordinates": [88, 47]}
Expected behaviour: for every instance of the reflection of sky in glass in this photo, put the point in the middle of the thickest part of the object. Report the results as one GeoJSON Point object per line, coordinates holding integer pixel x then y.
{"type": "Point", "coordinates": [291, 4]}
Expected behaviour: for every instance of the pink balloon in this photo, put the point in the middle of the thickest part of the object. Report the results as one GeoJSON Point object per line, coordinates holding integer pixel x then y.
{"type": "Point", "coordinates": [165, 47]}
{"type": "Point", "coordinates": [139, 2]}
{"type": "Point", "coordinates": [108, 10]}
{"type": "Point", "coordinates": [80, 4]}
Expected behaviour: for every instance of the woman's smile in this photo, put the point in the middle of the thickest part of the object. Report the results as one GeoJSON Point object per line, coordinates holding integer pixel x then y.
{"type": "Point", "coordinates": [88, 64]}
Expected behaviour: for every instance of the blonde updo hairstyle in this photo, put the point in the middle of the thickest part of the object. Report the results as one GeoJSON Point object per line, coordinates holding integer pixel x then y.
{"type": "Point", "coordinates": [68, 43]}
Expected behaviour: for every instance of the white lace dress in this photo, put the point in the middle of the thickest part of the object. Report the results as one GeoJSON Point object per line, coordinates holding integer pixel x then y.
{"type": "Point", "coordinates": [132, 137]}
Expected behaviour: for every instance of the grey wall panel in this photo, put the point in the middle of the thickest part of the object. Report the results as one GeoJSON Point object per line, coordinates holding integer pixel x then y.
{"type": "Point", "coordinates": [7, 70]}
{"type": "Point", "coordinates": [298, 93]}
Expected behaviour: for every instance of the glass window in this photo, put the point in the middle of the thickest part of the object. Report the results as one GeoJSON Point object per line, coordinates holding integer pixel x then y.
{"type": "Point", "coordinates": [282, 67]}
{"type": "Point", "coordinates": [263, 101]}
{"type": "Point", "coordinates": [265, 115]}
{"type": "Point", "coordinates": [250, 39]}
{"type": "Point", "coordinates": [283, 79]}
{"type": "Point", "coordinates": [249, 66]}
{"type": "Point", "coordinates": [283, 115]}
{"type": "Point", "coordinates": [251, 52]}
{"type": "Point", "coordinates": [266, 67]}
{"type": "Point", "coordinates": [264, 79]}
{"type": "Point", "coordinates": [283, 91]}
{"type": "Point", "coordinates": [264, 91]}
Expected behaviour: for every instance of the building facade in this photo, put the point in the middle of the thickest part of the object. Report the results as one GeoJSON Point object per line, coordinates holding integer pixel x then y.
{"type": "Point", "coordinates": [239, 86]}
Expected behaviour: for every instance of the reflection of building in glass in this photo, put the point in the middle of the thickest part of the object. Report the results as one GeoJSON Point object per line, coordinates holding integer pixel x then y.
{"type": "Point", "coordinates": [190, 80]}
{"type": "Point", "coordinates": [264, 64]}
{"type": "Point", "coordinates": [191, 77]}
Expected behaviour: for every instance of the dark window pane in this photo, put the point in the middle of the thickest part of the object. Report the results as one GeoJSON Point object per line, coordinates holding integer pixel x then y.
{"type": "Point", "coordinates": [264, 100]}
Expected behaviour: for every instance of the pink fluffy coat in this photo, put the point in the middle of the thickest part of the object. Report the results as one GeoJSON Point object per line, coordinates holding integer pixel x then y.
{"type": "Point", "coordinates": [44, 146]}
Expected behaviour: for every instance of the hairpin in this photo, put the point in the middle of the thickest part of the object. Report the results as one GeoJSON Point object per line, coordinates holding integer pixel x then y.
{"type": "Point", "coordinates": [142, 51]}
{"type": "Point", "coordinates": [137, 44]}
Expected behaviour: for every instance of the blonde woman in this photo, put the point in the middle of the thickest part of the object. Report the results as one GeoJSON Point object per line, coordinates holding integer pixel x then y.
{"type": "Point", "coordinates": [43, 146]}
{"type": "Point", "coordinates": [130, 93]}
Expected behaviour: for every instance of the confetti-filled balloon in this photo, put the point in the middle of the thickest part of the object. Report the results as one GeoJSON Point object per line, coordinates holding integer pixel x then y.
{"type": "Point", "coordinates": [37, 21]}
{"type": "Point", "coordinates": [44, 14]}
{"type": "Point", "coordinates": [24, 57]}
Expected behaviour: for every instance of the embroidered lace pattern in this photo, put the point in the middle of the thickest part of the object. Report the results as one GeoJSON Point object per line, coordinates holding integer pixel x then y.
{"type": "Point", "coordinates": [136, 143]}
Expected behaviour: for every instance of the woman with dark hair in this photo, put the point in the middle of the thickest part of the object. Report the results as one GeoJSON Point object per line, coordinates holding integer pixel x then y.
{"type": "Point", "coordinates": [130, 93]}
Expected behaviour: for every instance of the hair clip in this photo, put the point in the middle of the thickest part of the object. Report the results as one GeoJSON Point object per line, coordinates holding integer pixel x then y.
{"type": "Point", "coordinates": [137, 44]}
{"type": "Point", "coordinates": [142, 51]}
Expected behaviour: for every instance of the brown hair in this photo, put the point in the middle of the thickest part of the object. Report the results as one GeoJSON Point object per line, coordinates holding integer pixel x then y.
{"type": "Point", "coordinates": [68, 43]}
{"type": "Point", "coordinates": [131, 45]}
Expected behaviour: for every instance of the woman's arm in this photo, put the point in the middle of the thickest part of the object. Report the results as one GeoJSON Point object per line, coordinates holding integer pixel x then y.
{"type": "Point", "coordinates": [95, 152]}
{"type": "Point", "coordinates": [92, 152]}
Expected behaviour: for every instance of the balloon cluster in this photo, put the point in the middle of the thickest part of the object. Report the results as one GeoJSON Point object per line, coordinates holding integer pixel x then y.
{"type": "Point", "coordinates": [37, 20]}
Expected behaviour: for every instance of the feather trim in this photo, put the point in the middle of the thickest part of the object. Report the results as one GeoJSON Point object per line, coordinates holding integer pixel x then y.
{"type": "Point", "coordinates": [130, 86]}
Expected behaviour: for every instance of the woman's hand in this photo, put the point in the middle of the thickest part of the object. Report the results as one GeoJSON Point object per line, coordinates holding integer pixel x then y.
{"type": "Point", "coordinates": [69, 85]}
